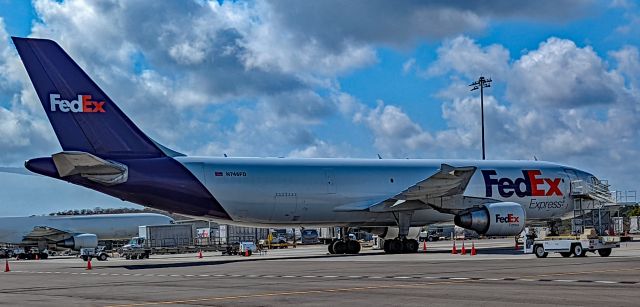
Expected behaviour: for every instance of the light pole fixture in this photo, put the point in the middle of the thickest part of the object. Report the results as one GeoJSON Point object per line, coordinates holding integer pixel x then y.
{"type": "Point", "coordinates": [481, 84]}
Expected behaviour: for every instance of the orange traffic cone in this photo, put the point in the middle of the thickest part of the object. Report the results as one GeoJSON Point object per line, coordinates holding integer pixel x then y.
{"type": "Point", "coordinates": [517, 247]}
{"type": "Point", "coordinates": [6, 265]}
{"type": "Point", "coordinates": [473, 249]}
{"type": "Point", "coordinates": [200, 254]}
{"type": "Point", "coordinates": [37, 256]}
{"type": "Point", "coordinates": [464, 250]}
{"type": "Point", "coordinates": [246, 252]}
{"type": "Point", "coordinates": [89, 264]}
{"type": "Point", "coordinates": [454, 250]}
{"type": "Point", "coordinates": [424, 246]}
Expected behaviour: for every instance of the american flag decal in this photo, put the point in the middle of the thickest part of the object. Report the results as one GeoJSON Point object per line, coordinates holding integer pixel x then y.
{"type": "Point", "coordinates": [218, 174]}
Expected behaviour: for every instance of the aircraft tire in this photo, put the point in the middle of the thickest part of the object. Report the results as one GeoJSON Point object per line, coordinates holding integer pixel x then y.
{"type": "Point", "coordinates": [339, 247]}
{"type": "Point", "coordinates": [386, 246]}
{"type": "Point", "coordinates": [330, 248]}
{"type": "Point", "coordinates": [410, 246]}
{"type": "Point", "coordinates": [353, 247]}
{"type": "Point", "coordinates": [395, 246]}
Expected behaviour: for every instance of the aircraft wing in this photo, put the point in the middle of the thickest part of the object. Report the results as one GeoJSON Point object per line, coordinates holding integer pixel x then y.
{"type": "Point", "coordinates": [449, 181]}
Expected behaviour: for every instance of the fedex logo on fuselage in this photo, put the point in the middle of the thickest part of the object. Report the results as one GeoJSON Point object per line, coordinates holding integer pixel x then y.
{"type": "Point", "coordinates": [531, 184]}
{"type": "Point", "coordinates": [83, 104]}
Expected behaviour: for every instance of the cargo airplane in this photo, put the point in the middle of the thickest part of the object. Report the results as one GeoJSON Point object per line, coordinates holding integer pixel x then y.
{"type": "Point", "coordinates": [73, 231]}
{"type": "Point", "coordinates": [105, 151]}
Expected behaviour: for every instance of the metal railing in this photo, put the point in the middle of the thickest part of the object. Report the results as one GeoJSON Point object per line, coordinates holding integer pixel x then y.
{"type": "Point", "coordinates": [595, 190]}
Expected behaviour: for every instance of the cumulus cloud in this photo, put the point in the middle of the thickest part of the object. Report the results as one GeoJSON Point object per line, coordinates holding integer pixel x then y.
{"type": "Point", "coordinates": [561, 74]}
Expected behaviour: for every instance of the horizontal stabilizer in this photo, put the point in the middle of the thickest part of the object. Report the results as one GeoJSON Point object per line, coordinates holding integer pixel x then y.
{"type": "Point", "coordinates": [70, 163]}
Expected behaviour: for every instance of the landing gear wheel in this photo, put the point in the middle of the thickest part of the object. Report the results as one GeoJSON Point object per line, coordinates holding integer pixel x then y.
{"type": "Point", "coordinates": [605, 252]}
{"type": "Point", "coordinates": [353, 247]}
{"type": "Point", "coordinates": [386, 247]}
{"type": "Point", "coordinates": [578, 251]}
{"type": "Point", "coordinates": [330, 247]}
{"type": "Point", "coordinates": [410, 246]}
{"type": "Point", "coordinates": [85, 258]}
{"type": "Point", "coordinates": [395, 246]}
{"type": "Point", "coordinates": [339, 247]}
{"type": "Point", "coordinates": [565, 254]}
{"type": "Point", "coordinates": [102, 257]}
{"type": "Point", "coordinates": [540, 252]}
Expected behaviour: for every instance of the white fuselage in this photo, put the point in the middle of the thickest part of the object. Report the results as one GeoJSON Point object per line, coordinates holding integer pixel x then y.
{"type": "Point", "coordinates": [307, 191]}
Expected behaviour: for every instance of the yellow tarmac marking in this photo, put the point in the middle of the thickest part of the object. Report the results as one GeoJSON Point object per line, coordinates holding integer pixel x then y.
{"type": "Point", "coordinates": [418, 285]}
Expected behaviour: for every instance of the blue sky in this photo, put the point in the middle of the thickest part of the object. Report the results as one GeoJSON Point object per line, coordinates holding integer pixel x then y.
{"type": "Point", "coordinates": [335, 79]}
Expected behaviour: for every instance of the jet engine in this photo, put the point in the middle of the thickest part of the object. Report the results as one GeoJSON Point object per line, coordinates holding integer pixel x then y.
{"type": "Point", "coordinates": [85, 240]}
{"type": "Point", "coordinates": [392, 232]}
{"type": "Point", "coordinates": [497, 219]}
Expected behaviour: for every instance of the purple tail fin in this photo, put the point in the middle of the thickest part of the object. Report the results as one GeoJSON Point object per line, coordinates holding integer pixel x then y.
{"type": "Point", "coordinates": [83, 117]}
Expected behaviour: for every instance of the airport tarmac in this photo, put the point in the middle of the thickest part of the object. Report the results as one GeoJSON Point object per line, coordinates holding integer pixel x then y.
{"type": "Point", "coordinates": [309, 276]}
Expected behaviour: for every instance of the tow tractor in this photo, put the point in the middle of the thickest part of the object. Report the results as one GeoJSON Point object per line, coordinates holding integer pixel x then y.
{"type": "Point", "coordinates": [98, 252]}
{"type": "Point", "coordinates": [572, 245]}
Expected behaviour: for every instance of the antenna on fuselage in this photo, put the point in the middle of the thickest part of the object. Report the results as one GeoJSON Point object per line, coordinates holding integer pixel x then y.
{"type": "Point", "coordinates": [379, 157]}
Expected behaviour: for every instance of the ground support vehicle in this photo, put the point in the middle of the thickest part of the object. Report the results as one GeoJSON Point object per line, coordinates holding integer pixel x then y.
{"type": "Point", "coordinates": [577, 246]}
{"type": "Point", "coordinates": [241, 248]}
{"type": "Point", "coordinates": [136, 249]}
{"type": "Point", "coordinates": [99, 253]}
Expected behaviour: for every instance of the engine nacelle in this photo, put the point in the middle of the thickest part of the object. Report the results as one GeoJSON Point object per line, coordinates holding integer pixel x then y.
{"type": "Point", "coordinates": [497, 219]}
{"type": "Point", "coordinates": [77, 242]}
{"type": "Point", "coordinates": [392, 232]}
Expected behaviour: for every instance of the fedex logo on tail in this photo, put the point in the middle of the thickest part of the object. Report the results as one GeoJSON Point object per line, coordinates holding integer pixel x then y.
{"type": "Point", "coordinates": [531, 184]}
{"type": "Point", "coordinates": [83, 104]}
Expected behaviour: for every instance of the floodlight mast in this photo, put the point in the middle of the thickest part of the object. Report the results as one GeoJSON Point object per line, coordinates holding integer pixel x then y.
{"type": "Point", "coordinates": [481, 84]}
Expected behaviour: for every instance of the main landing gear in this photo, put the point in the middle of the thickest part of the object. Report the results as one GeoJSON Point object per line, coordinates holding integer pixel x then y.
{"type": "Point", "coordinates": [344, 245]}
{"type": "Point", "coordinates": [400, 246]}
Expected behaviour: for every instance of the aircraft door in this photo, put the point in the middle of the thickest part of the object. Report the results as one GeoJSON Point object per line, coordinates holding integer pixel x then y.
{"type": "Point", "coordinates": [285, 207]}
{"type": "Point", "coordinates": [331, 181]}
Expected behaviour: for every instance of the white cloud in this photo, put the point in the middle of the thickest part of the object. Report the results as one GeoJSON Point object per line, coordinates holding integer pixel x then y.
{"type": "Point", "coordinates": [469, 59]}
{"type": "Point", "coordinates": [561, 74]}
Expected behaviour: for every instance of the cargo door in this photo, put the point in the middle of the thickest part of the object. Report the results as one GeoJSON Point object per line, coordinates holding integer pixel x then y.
{"type": "Point", "coordinates": [285, 207]}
